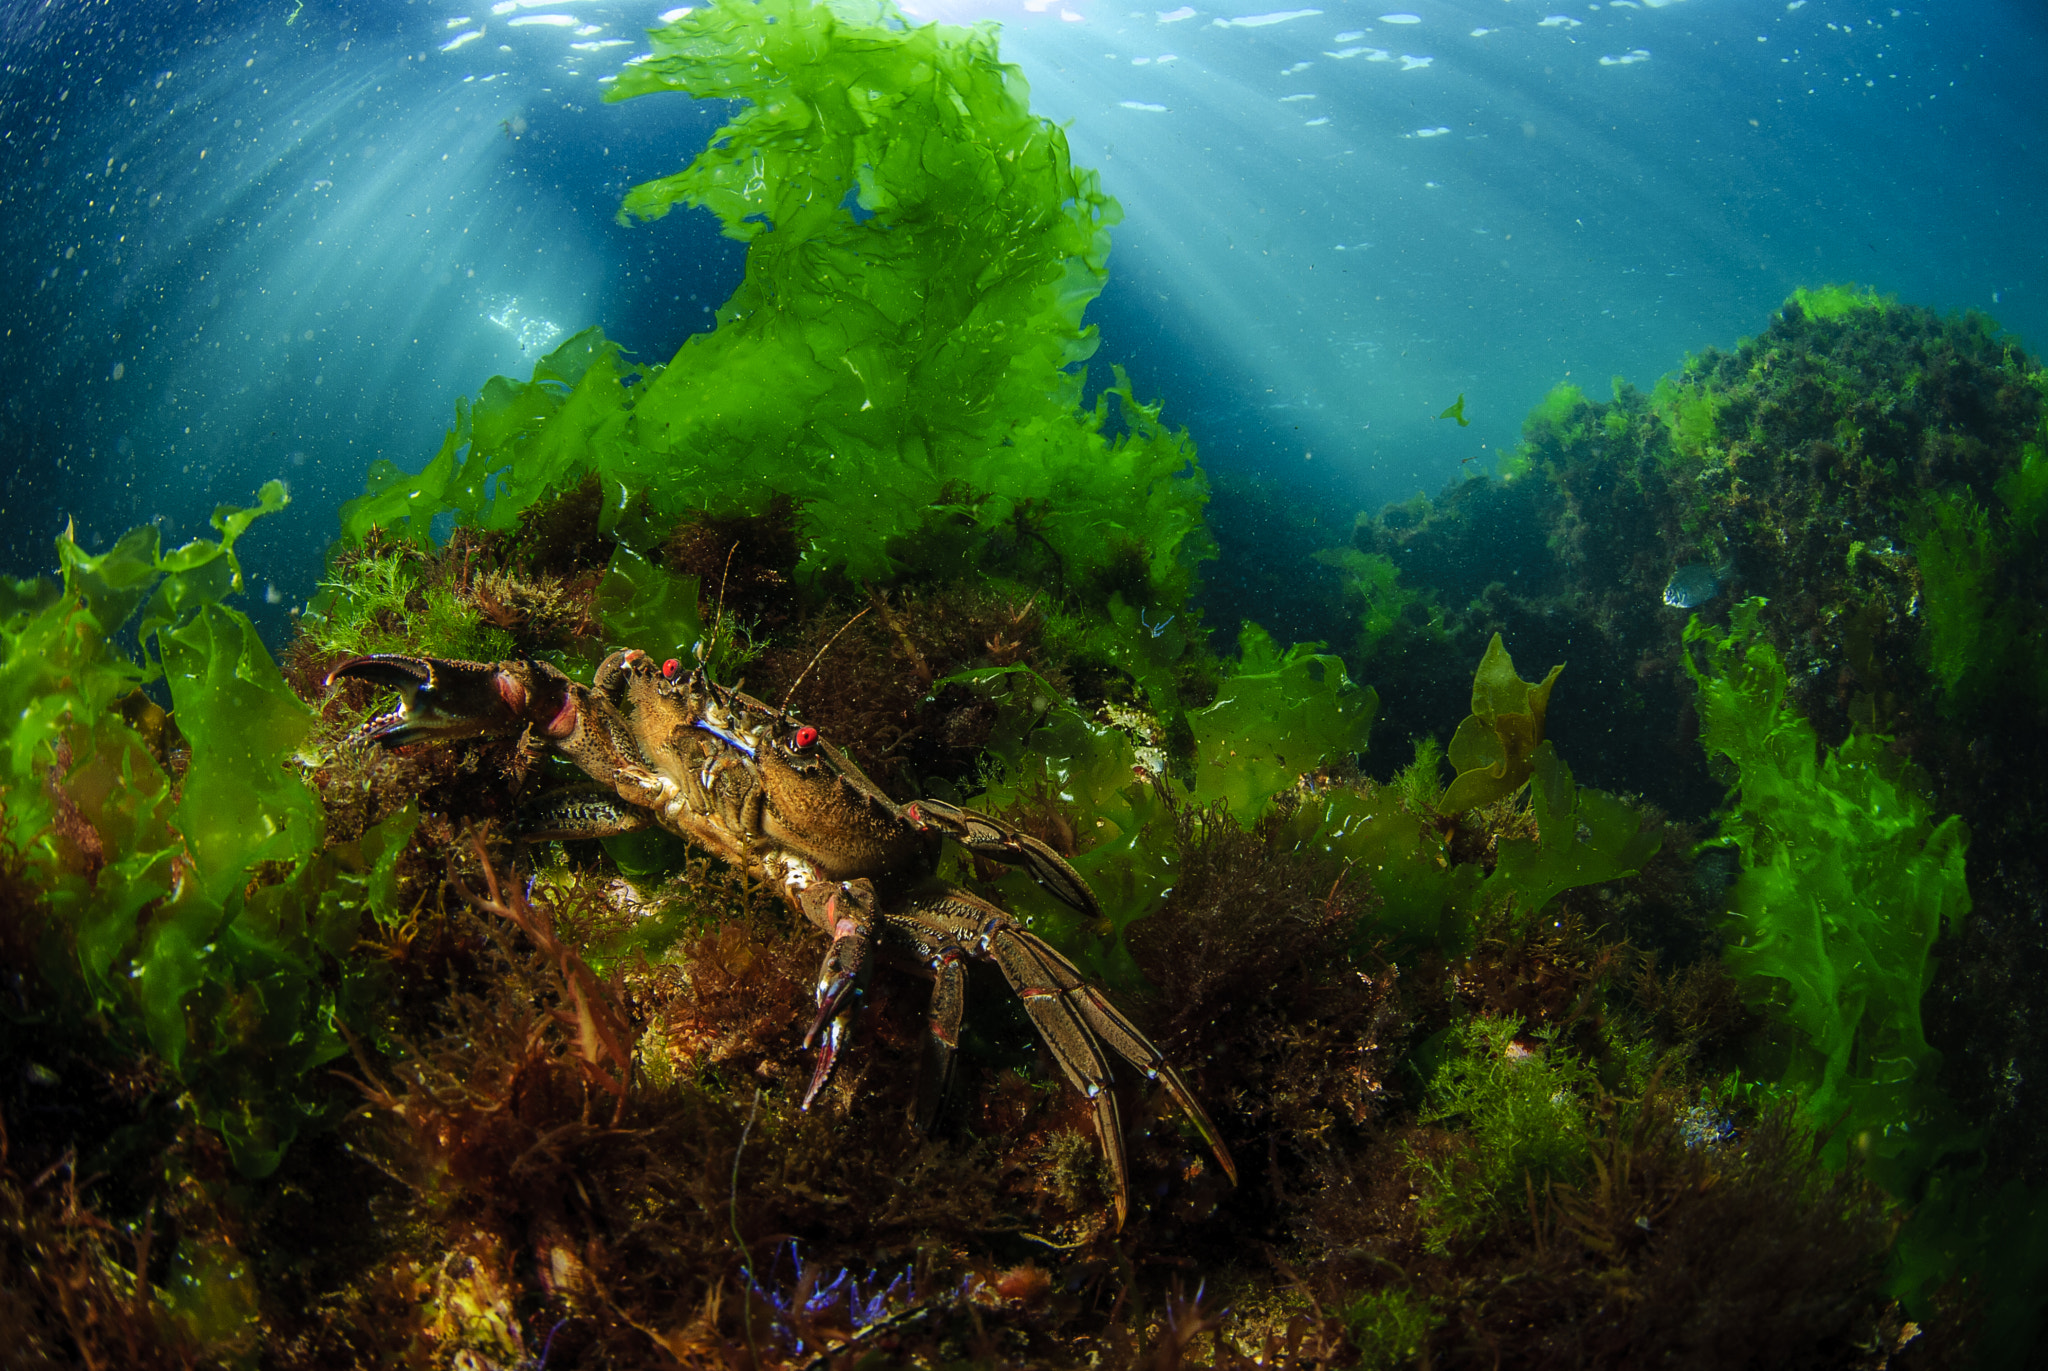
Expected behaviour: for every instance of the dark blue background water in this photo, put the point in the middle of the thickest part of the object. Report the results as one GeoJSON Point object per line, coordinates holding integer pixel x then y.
{"type": "Point", "coordinates": [278, 239]}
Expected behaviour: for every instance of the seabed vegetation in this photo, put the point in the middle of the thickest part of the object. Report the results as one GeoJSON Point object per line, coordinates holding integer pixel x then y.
{"type": "Point", "coordinates": [311, 1062]}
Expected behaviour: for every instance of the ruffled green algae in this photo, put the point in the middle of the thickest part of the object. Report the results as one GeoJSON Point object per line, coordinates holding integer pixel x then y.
{"type": "Point", "coordinates": [907, 370]}
{"type": "Point", "coordinates": [146, 852]}
{"type": "Point", "coordinates": [1848, 881]}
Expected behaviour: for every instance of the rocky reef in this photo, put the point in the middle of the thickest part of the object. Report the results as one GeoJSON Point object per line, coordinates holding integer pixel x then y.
{"type": "Point", "coordinates": [1609, 1017]}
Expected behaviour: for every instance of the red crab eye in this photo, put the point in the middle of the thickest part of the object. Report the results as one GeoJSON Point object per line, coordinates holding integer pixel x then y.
{"type": "Point", "coordinates": [806, 735]}
{"type": "Point", "coordinates": [670, 667]}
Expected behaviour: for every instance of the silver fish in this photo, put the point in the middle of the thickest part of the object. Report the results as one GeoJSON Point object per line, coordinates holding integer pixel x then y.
{"type": "Point", "coordinates": [1691, 586]}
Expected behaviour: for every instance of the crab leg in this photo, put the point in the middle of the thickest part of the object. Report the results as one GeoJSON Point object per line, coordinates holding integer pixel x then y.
{"type": "Point", "coordinates": [938, 952]}
{"type": "Point", "coordinates": [998, 841]}
{"type": "Point", "coordinates": [579, 812]}
{"type": "Point", "coordinates": [1077, 1022]}
{"type": "Point", "coordinates": [847, 912]}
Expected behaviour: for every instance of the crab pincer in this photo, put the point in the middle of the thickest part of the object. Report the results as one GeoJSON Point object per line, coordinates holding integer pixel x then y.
{"type": "Point", "coordinates": [848, 911]}
{"type": "Point", "coordinates": [441, 699]}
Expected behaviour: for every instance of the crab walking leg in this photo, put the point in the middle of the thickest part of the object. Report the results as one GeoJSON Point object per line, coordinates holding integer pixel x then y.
{"type": "Point", "coordinates": [1076, 1019]}
{"type": "Point", "coordinates": [1047, 983]}
{"type": "Point", "coordinates": [1127, 1042]}
{"type": "Point", "coordinates": [998, 841]}
{"type": "Point", "coordinates": [580, 812]}
{"type": "Point", "coordinates": [935, 951]}
{"type": "Point", "coordinates": [1035, 980]}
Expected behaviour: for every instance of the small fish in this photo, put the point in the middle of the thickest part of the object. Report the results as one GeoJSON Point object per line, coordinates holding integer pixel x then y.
{"type": "Point", "coordinates": [1457, 412]}
{"type": "Point", "coordinates": [1691, 586]}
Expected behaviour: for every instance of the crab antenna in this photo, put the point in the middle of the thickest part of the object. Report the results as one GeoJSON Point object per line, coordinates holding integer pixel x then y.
{"type": "Point", "coordinates": [703, 648]}
{"type": "Point", "coordinates": [814, 661]}
{"type": "Point", "coordinates": [718, 617]}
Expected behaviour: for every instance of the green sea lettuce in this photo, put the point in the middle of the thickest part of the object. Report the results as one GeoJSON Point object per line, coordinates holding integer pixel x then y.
{"type": "Point", "coordinates": [641, 604]}
{"type": "Point", "coordinates": [1426, 901]}
{"type": "Point", "coordinates": [205, 921]}
{"type": "Point", "coordinates": [1374, 594]}
{"type": "Point", "coordinates": [1848, 878]}
{"type": "Point", "coordinates": [1840, 301]}
{"type": "Point", "coordinates": [900, 356]}
{"type": "Point", "coordinates": [1279, 716]}
{"type": "Point", "coordinates": [1979, 641]}
{"type": "Point", "coordinates": [1584, 837]}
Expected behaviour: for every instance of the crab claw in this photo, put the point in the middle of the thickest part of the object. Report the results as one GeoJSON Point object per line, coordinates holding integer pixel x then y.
{"type": "Point", "coordinates": [848, 912]}
{"type": "Point", "coordinates": [441, 699]}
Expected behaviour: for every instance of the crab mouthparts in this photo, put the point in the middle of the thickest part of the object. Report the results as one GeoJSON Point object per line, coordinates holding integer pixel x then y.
{"type": "Point", "coordinates": [728, 738]}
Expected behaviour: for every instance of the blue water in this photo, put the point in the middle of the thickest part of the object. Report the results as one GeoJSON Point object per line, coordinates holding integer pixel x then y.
{"type": "Point", "coordinates": [281, 239]}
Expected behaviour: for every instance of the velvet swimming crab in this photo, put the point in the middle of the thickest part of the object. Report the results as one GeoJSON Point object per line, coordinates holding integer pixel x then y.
{"type": "Point", "coordinates": [669, 747]}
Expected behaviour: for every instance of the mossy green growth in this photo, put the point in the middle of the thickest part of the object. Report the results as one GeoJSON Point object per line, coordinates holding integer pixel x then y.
{"type": "Point", "coordinates": [1389, 1327]}
{"type": "Point", "coordinates": [1691, 411]}
{"type": "Point", "coordinates": [1521, 1109]}
{"type": "Point", "coordinates": [1421, 782]}
{"type": "Point", "coordinates": [210, 928]}
{"type": "Point", "coordinates": [1584, 837]}
{"type": "Point", "coordinates": [1557, 421]}
{"type": "Point", "coordinates": [1847, 880]}
{"type": "Point", "coordinates": [1557, 408]}
{"type": "Point", "coordinates": [904, 372]}
{"type": "Point", "coordinates": [1838, 302]}
{"type": "Point", "coordinates": [384, 603]}
{"type": "Point", "coordinates": [1493, 747]}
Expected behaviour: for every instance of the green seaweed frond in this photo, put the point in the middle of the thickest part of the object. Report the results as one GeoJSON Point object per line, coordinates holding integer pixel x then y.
{"type": "Point", "coordinates": [1848, 878]}
{"type": "Point", "coordinates": [1691, 411]}
{"type": "Point", "coordinates": [1279, 716]}
{"type": "Point", "coordinates": [920, 353]}
{"type": "Point", "coordinates": [2024, 489]}
{"type": "Point", "coordinates": [1556, 410]}
{"type": "Point", "coordinates": [205, 921]}
{"type": "Point", "coordinates": [1980, 642]}
{"type": "Point", "coordinates": [1388, 613]}
{"type": "Point", "coordinates": [1494, 745]}
{"type": "Point", "coordinates": [1584, 837]}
